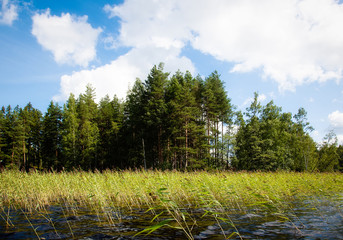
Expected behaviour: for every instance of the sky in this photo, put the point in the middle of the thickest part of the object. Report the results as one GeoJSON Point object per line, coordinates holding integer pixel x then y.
{"type": "Point", "coordinates": [289, 51]}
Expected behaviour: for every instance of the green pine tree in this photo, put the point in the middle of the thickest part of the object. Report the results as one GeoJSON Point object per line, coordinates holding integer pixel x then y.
{"type": "Point", "coordinates": [51, 138]}
{"type": "Point", "coordinates": [110, 121]}
{"type": "Point", "coordinates": [134, 127]}
{"type": "Point", "coordinates": [328, 154]}
{"type": "Point", "coordinates": [155, 114]}
{"type": "Point", "coordinates": [88, 129]}
{"type": "Point", "coordinates": [70, 134]}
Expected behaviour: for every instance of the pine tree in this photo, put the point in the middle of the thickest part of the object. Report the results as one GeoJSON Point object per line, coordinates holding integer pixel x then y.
{"type": "Point", "coordinates": [249, 139]}
{"type": "Point", "coordinates": [3, 142]}
{"type": "Point", "coordinates": [328, 155]}
{"type": "Point", "coordinates": [31, 119]}
{"type": "Point", "coordinates": [51, 138]}
{"type": "Point", "coordinates": [276, 131]}
{"type": "Point", "coordinates": [70, 134]}
{"type": "Point", "coordinates": [155, 113]}
{"type": "Point", "coordinates": [109, 123]}
{"type": "Point", "coordinates": [185, 128]}
{"type": "Point", "coordinates": [15, 138]}
{"type": "Point", "coordinates": [218, 111]}
{"type": "Point", "coordinates": [303, 146]}
{"type": "Point", "coordinates": [340, 154]}
{"type": "Point", "coordinates": [284, 138]}
{"type": "Point", "coordinates": [88, 129]}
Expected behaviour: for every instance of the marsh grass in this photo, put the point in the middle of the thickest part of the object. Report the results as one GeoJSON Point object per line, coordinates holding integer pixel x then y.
{"type": "Point", "coordinates": [170, 193]}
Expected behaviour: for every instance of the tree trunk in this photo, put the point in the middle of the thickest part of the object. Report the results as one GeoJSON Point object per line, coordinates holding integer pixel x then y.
{"type": "Point", "coordinates": [186, 146]}
{"type": "Point", "coordinates": [159, 147]}
{"type": "Point", "coordinates": [222, 146]}
{"type": "Point", "coordinates": [56, 159]}
{"type": "Point", "coordinates": [175, 156]}
{"type": "Point", "coordinates": [208, 141]}
{"type": "Point", "coordinates": [144, 153]}
{"type": "Point", "coordinates": [168, 150]}
{"type": "Point", "coordinates": [74, 146]}
{"type": "Point", "coordinates": [24, 159]}
{"type": "Point", "coordinates": [12, 155]}
{"type": "Point", "coordinates": [216, 143]}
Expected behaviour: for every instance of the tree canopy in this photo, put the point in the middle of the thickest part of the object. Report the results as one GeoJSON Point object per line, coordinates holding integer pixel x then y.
{"type": "Point", "coordinates": [167, 122]}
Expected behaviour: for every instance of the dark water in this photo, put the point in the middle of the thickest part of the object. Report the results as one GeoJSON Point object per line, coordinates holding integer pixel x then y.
{"type": "Point", "coordinates": [310, 219]}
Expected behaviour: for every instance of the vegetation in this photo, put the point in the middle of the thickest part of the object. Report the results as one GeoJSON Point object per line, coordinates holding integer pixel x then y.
{"type": "Point", "coordinates": [179, 122]}
{"type": "Point", "coordinates": [130, 189]}
{"type": "Point", "coordinates": [169, 196]}
{"type": "Point", "coordinates": [78, 155]}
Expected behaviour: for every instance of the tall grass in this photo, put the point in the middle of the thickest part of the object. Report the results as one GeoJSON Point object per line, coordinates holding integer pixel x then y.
{"type": "Point", "coordinates": [217, 193]}
{"type": "Point", "coordinates": [132, 189]}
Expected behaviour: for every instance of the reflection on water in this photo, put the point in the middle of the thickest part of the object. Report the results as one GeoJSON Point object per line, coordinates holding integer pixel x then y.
{"type": "Point", "coordinates": [311, 219]}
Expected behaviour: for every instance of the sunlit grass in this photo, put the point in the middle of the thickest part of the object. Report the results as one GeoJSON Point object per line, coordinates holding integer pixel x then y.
{"type": "Point", "coordinates": [132, 189]}
{"type": "Point", "coordinates": [167, 195]}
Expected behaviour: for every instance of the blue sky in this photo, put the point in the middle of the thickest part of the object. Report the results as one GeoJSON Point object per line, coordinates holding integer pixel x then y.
{"type": "Point", "coordinates": [288, 51]}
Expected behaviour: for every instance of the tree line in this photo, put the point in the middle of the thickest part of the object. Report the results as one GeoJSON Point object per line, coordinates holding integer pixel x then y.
{"type": "Point", "coordinates": [166, 122]}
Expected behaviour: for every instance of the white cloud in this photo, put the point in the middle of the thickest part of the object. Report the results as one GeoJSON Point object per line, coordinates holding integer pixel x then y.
{"type": "Point", "coordinates": [8, 13]}
{"type": "Point", "coordinates": [108, 79]}
{"type": "Point", "coordinates": [116, 77]}
{"type": "Point", "coordinates": [70, 39]}
{"type": "Point", "coordinates": [315, 134]}
{"type": "Point", "coordinates": [340, 138]}
{"type": "Point", "coordinates": [336, 119]}
{"type": "Point", "coordinates": [109, 42]}
{"type": "Point", "coordinates": [291, 42]}
{"type": "Point", "coordinates": [162, 24]}
{"type": "Point", "coordinates": [336, 123]}
{"type": "Point", "coordinates": [261, 98]}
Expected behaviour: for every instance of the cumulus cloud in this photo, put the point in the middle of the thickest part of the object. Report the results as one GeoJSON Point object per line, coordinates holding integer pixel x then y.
{"type": "Point", "coordinates": [116, 78]}
{"type": "Point", "coordinates": [261, 98]}
{"type": "Point", "coordinates": [336, 123]}
{"type": "Point", "coordinates": [8, 13]}
{"type": "Point", "coordinates": [106, 79]}
{"type": "Point", "coordinates": [291, 42]}
{"type": "Point", "coordinates": [336, 119]}
{"type": "Point", "coordinates": [340, 138]}
{"type": "Point", "coordinates": [70, 39]}
{"type": "Point", "coordinates": [162, 24]}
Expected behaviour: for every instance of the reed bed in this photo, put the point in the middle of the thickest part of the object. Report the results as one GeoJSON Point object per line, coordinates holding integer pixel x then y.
{"type": "Point", "coordinates": [169, 195]}
{"type": "Point", "coordinates": [144, 189]}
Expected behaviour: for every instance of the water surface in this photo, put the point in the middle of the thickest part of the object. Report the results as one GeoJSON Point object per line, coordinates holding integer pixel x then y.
{"type": "Point", "coordinates": [306, 219]}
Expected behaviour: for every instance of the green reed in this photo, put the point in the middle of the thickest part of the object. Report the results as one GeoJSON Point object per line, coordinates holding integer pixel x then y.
{"type": "Point", "coordinates": [164, 193]}
{"type": "Point", "coordinates": [141, 188]}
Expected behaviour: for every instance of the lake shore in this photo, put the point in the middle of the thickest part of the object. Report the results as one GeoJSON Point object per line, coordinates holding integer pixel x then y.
{"type": "Point", "coordinates": [178, 200]}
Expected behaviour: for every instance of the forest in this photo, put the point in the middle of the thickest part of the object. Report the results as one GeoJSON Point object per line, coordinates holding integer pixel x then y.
{"type": "Point", "coordinates": [168, 121]}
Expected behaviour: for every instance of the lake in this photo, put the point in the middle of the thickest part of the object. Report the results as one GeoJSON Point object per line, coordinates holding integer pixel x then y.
{"type": "Point", "coordinates": [312, 218]}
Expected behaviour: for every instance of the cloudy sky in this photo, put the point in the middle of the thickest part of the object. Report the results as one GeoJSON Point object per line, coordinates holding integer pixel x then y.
{"type": "Point", "coordinates": [289, 51]}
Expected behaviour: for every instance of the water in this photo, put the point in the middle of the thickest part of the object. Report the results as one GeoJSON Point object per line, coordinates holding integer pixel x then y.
{"type": "Point", "coordinates": [310, 219]}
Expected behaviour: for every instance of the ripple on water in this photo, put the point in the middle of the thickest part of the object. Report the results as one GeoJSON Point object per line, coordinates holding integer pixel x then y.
{"type": "Point", "coordinates": [311, 219]}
